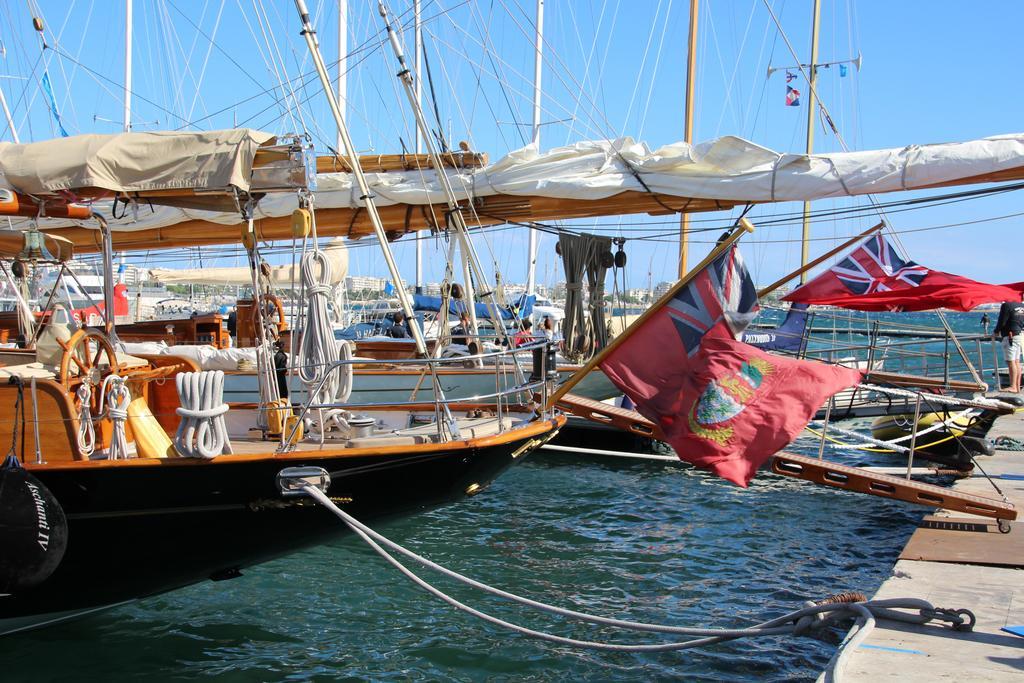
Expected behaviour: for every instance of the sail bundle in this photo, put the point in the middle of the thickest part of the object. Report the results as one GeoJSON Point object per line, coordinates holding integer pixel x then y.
{"type": "Point", "coordinates": [588, 178]}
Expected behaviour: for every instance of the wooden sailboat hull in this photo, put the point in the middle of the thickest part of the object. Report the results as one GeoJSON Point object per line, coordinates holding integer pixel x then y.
{"type": "Point", "coordinates": [139, 528]}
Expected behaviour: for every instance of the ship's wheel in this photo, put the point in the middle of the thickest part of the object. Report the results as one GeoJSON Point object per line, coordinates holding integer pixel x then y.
{"type": "Point", "coordinates": [83, 362]}
{"type": "Point", "coordinates": [273, 315]}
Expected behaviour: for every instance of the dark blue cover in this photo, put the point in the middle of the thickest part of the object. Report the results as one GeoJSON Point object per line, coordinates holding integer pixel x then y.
{"type": "Point", "coordinates": [520, 308]}
{"type": "Point", "coordinates": [785, 337]}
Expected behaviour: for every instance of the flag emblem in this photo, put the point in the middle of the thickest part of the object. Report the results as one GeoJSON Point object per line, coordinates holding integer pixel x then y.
{"type": "Point", "coordinates": [792, 97]}
{"type": "Point", "coordinates": [725, 398]}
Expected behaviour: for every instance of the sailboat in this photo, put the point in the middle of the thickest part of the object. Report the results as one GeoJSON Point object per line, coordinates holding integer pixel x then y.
{"type": "Point", "coordinates": [105, 443]}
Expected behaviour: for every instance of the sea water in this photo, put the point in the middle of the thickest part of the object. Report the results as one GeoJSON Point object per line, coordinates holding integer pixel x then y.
{"type": "Point", "coordinates": [644, 541]}
{"type": "Point", "coordinates": [638, 540]}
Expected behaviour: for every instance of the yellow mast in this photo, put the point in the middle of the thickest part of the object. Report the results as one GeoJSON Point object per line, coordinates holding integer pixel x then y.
{"type": "Point", "coordinates": [691, 75]}
{"type": "Point", "coordinates": [805, 247]}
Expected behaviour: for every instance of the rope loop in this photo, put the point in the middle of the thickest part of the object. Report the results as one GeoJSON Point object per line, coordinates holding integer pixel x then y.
{"type": "Point", "coordinates": [202, 432]}
{"type": "Point", "coordinates": [117, 397]}
{"type": "Point", "coordinates": [86, 437]}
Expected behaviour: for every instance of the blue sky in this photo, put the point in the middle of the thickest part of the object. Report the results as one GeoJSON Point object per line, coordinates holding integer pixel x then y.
{"type": "Point", "coordinates": [932, 72]}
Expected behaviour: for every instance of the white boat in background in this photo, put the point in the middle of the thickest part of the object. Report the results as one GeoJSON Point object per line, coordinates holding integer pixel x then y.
{"type": "Point", "coordinates": [372, 382]}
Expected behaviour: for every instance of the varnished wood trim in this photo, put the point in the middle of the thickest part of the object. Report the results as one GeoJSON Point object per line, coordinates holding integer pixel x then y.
{"type": "Point", "coordinates": [328, 452]}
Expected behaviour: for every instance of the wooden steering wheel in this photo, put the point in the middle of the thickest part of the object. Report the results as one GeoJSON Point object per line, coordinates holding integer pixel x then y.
{"type": "Point", "coordinates": [273, 313]}
{"type": "Point", "coordinates": [81, 364]}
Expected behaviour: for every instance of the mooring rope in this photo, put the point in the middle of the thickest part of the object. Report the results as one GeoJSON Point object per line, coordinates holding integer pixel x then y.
{"type": "Point", "coordinates": [983, 403]}
{"type": "Point", "coordinates": [1008, 443]}
{"type": "Point", "coordinates": [812, 616]}
{"type": "Point", "coordinates": [891, 446]}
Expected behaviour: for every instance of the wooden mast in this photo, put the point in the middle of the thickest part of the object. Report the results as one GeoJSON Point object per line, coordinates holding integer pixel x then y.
{"type": "Point", "coordinates": [127, 66]}
{"type": "Point", "coordinates": [341, 72]}
{"type": "Point", "coordinates": [538, 64]}
{"type": "Point", "coordinates": [691, 76]}
{"type": "Point", "coordinates": [805, 245]}
{"type": "Point", "coordinates": [417, 59]}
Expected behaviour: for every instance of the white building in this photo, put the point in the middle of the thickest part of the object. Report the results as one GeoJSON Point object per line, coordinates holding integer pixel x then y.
{"type": "Point", "coordinates": [637, 294]}
{"type": "Point", "coordinates": [357, 283]}
{"type": "Point", "coordinates": [662, 289]}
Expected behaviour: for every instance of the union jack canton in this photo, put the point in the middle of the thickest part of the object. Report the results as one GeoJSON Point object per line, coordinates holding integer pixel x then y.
{"type": "Point", "coordinates": [876, 267]}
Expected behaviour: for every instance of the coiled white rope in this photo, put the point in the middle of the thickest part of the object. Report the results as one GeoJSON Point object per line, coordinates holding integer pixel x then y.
{"type": "Point", "coordinates": [333, 422]}
{"type": "Point", "coordinates": [118, 397]}
{"type": "Point", "coordinates": [202, 432]}
{"type": "Point", "coordinates": [797, 622]}
{"type": "Point", "coordinates": [345, 379]}
{"type": "Point", "coordinates": [320, 352]}
{"type": "Point", "coordinates": [86, 437]}
{"type": "Point", "coordinates": [319, 349]}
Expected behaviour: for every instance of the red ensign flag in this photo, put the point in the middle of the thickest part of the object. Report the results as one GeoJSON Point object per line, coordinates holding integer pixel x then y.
{"type": "Point", "coordinates": [723, 405]}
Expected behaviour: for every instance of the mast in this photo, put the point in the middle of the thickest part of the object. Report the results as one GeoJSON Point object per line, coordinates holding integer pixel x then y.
{"type": "Point", "coordinates": [341, 77]}
{"type": "Point", "coordinates": [691, 82]}
{"type": "Point", "coordinates": [418, 47]}
{"type": "Point", "coordinates": [538, 63]}
{"type": "Point", "coordinates": [805, 245]}
{"type": "Point", "coordinates": [10, 120]}
{"type": "Point", "coordinates": [127, 66]}
{"type": "Point", "coordinates": [349, 149]}
{"type": "Point", "coordinates": [454, 218]}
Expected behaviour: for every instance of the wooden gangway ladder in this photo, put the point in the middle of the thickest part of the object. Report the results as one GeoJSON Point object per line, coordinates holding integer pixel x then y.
{"type": "Point", "coordinates": [811, 469]}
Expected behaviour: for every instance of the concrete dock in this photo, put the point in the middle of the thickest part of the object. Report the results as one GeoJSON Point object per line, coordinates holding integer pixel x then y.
{"type": "Point", "coordinates": [958, 561]}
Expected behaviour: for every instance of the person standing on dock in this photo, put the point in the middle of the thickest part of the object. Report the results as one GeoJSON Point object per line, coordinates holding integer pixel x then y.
{"type": "Point", "coordinates": [1009, 328]}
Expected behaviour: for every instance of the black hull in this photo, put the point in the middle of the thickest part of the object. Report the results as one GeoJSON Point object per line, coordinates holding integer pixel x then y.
{"type": "Point", "coordinates": [581, 433]}
{"type": "Point", "coordinates": [139, 531]}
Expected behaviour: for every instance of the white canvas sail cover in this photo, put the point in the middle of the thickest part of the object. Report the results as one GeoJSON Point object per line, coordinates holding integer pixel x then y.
{"type": "Point", "coordinates": [133, 162]}
{"type": "Point", "coordinates": [281, 277]}
{"type": "Point", "coordinates": [729, 168]}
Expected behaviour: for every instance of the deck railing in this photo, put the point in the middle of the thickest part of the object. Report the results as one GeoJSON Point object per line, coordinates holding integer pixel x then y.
{"type": "Point", "coordinates": [502, 364]}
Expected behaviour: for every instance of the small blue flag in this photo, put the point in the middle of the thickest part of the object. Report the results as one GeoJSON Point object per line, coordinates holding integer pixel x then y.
{"type": "Point", "coordinates": [790, 76]}
{"type": "Point", "coordinates": [389, 288]}
{"type": "Point", "coordinates": [53, 103]}
{"type": "Point", "coordinates": [842, 71]}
